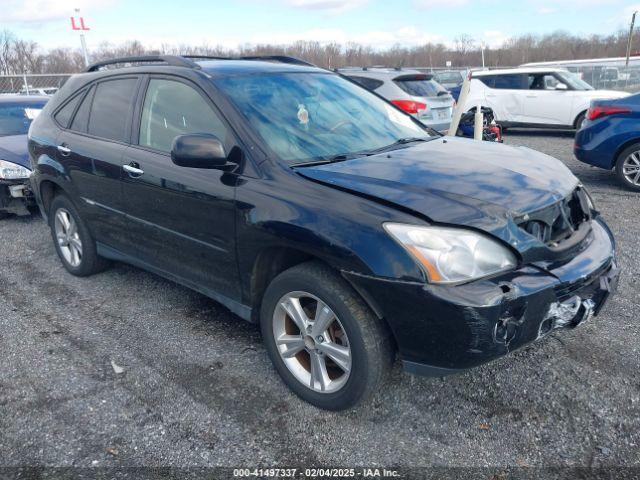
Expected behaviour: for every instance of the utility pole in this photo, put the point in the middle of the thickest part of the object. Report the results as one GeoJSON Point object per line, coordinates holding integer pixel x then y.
{"type": "Point", "coordinates": [81, 28]}
{"type": "Point", "coordinates": [482, 47]}
{"type": "Point", "coordinates": [630, 39]}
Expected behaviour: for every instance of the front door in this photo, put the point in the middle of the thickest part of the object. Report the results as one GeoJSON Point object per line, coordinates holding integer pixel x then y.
{"type": "Point", "coordinates": [181, 220]}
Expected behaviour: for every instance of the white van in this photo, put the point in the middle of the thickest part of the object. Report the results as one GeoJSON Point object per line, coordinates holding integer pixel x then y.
{"type": "Point", "coordinates": [534, 97]}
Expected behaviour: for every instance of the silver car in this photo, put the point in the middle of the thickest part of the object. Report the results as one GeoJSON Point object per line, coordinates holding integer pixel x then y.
{"type": "Point", "coordinates": [414, 92]}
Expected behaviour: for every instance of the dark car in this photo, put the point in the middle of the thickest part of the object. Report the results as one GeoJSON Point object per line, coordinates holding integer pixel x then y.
{"type": "Point", "coordinates": [303, 202]}
{"type": "Point", "coordinates": [16, 114]}
{"type": "Point", "coordinates": [610, 138]}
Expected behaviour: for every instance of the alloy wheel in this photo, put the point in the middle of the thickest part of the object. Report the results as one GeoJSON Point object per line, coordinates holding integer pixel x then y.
{"type": "Point", "coordinates": [68, 238]}
{"type": "Point", "coordinates": [631, 168]}
{"type": "Point", "coordinates": [312, 342]}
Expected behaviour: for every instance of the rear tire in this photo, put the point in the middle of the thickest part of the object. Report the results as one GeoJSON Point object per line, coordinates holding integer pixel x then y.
{"type": "Point", "coordinates": [332, 351]}
{"type": "Point", "coordinates": [580, 120]}
{"type": "Point", "coordinates": [73, 241]}
{"type": "Point", "coordinates": [628, 167]}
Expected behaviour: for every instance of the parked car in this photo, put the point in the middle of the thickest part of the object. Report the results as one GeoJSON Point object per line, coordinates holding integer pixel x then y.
{"type": "Point", "coordinates": [39, 91]}
{"type": "Point", "coordinates": [302, 201]}
{"type": "Point", "coordinates": [610, 138]}
{"type": "Point", "coordinates": [534, 97]}
{"type": "Point", "coordinates": [414, 92]}
{"type": "Point", "coordinates": [16, 115]}
{"type": "Point", "coordinates": [449, 78]}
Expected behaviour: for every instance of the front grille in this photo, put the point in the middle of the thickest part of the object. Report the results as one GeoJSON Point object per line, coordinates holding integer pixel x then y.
{"type": "Point", "coordinates": [558, 222]}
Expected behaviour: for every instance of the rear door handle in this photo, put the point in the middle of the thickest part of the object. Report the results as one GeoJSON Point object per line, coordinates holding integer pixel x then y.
{"type": "Point", "coordinates": [133, 169]}
{"type": "Point", "coordinates": [64, 150]}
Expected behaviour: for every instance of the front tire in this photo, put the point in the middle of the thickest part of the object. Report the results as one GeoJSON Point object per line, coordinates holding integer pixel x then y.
{"type": "Point", "coordinates": [73, 241]}
{"type": "Point", "coordinates": [324, 341]}
{"type": "Point", "coordinates": [628, 167]}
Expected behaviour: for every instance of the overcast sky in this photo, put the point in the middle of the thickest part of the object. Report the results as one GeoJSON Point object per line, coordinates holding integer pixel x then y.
{"type": "Point", "coordinates": [375, 22]}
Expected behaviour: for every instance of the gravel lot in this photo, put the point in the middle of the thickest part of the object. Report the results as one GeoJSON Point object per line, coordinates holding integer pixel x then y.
{"type": "Point", "coordinates": [198, 390]}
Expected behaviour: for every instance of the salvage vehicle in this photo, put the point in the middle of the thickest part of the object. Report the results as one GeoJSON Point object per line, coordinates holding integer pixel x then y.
{"type": "Point", "coordinates": [16, 115]}
{"type": "Point", "coordinates": [534, 97]}
{"type": "Point", "coordinates": [416, 93]}
{"type": "Point", "coordinates": [347, 229]}
{"type": "Point", "coordinates": [610, 139]}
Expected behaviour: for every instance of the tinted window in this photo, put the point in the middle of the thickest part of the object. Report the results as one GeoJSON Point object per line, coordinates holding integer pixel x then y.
{"type": "Point", "coordinates": [368, 83]}
{"type": "Point", "coordinates": [64, 114]}
{"type": "Point", "coordinates": [420, 86]}
{"type": "Point", "coordinates": [79, 123]}
{"type": "Point", "coordinates": [509, 82]}
{"type": "Point", "coordinates": [488, 80]}
{"type": "Point", "coordinates": [110, 110]}
{"type": "Point", "coordinates": [173, 108]}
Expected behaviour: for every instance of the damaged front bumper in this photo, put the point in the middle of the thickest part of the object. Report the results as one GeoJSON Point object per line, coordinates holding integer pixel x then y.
{"type": "Point", "coordinates": [16, 197]}
{"type": "Point", "coordinates": [446, 329]}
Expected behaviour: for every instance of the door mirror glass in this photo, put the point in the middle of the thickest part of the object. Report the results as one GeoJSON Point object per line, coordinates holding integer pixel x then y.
{"type": "Point", "coordinates": [198, 151]}
{"type": "Point", "coordinates": [561, 86]}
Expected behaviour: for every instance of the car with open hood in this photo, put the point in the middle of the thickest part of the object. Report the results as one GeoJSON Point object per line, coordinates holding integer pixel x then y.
{"type": "Point", "coordinates": [349, 231]}
{"type": "Point", "coordinates": [16, 114]}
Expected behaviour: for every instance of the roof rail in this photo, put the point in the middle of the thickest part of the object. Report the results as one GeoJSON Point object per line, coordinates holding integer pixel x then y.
{"type": "Point", "coordinates": [172, 60]}
{"type": "Point", "coordinates": [277, 58]}
{"type": "Point", "coordinates": [186, 60]}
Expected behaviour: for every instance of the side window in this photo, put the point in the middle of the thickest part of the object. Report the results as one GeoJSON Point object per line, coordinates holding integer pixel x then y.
{"type": "Point", "coordinates": [368, 83]}
{"type": "Point", "coordinates": [81, 119]}
{"type": "Point", "coordinates": [488, 80]}
{"type": "Point", "coordinates": [65, 113]}
{"type": "Point", "coordinates": [542, 81]}
{"type": "Point", "coordinates": [172, 108]}
{"type": "Point", "coordinates": [509, 82]}
{"type": "Point", "coordinates": [112, 103]}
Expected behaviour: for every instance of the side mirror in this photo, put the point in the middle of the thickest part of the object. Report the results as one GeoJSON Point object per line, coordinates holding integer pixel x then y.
{"type": "Point", "coordinates": [561, 86]}
{"type": "Point", "coordinates": [198, 151]}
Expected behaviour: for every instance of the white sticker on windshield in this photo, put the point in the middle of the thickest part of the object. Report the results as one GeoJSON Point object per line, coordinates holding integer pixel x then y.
{"type": "Point", "coordinates": [32, 113]}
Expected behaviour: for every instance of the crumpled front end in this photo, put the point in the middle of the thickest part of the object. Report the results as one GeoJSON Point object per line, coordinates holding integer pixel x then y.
{"type": "Point", "coordinates": [444, 329]}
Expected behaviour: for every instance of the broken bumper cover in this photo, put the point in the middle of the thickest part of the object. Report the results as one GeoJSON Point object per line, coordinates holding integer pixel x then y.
{"type": "Point", "coordinates": [16, 197]}
{"type": "Point", "coordinates": [445, 329]}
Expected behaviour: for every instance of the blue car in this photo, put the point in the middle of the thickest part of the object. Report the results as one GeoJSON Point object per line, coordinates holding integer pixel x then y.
{"type": "Point", "coordinates": [16, 114]}
{"type": "Point", "coordinates": [610, 138]}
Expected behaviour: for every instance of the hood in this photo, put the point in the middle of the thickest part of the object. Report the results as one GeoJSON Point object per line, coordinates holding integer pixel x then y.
{"type": "Point", "coordinates": [13, 148]}
{"type": "Point", "coordinates": [457, 181]}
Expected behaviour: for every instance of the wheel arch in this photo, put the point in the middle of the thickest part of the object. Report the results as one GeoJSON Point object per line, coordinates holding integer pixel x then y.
{"type": "Point", "coordinates": [622, 148]}
{"type": "Point", "coordinates": [575, 120]}
{"type": "Point", "coordinates": [271, 261]}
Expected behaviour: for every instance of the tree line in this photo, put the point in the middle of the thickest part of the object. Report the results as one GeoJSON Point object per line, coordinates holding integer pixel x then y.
{"type": "Point", "coordinates": [18, 56]}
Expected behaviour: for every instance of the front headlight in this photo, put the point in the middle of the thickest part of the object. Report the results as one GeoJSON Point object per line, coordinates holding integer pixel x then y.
{"type": "Point", "coordinates": [452, 255]}
{"type": "Point", "coordinates": [13, 171]}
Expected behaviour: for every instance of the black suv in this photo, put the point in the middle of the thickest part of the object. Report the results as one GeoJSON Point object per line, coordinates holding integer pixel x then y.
{"type": "Point", "coordinates": [301, 201]}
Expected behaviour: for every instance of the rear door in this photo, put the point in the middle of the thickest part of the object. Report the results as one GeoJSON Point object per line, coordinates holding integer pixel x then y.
{"type": "Point", "coordinates": [91, 150]}
{"type": "Point", "coordinates": [543, 104]}
{"type": "Point", "coordinates": [505, 95]}
{"type": "Point", "coordinates": [181, 220]}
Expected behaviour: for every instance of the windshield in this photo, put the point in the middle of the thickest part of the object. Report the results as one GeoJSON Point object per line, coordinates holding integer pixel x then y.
{"type": "Point", "coordinates": [306, 117]}
{"type": "Point", "coordinates": [15, 119]}
{"type": "Point", "coordinates": [573, 81]}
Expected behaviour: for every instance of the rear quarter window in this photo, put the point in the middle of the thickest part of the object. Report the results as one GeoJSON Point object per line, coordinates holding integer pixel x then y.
{"type": "Point", "coordinates": [504, 82]}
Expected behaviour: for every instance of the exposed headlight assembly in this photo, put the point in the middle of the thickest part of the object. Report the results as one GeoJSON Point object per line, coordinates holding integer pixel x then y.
{"type": "Point", "coordinates": [13, 171]}
{"type": "Point", "coordinates": [452, 255]}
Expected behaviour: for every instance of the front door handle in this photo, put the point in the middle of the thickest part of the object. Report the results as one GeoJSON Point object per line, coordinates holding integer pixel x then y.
{"type": "Point", "coordinates": [133, 169]}
{"type": "Point", "coordinates": [64, 150]}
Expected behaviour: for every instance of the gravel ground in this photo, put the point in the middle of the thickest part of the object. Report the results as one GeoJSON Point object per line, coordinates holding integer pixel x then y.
{"type": "Point", "coordinates": [197, 388]}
